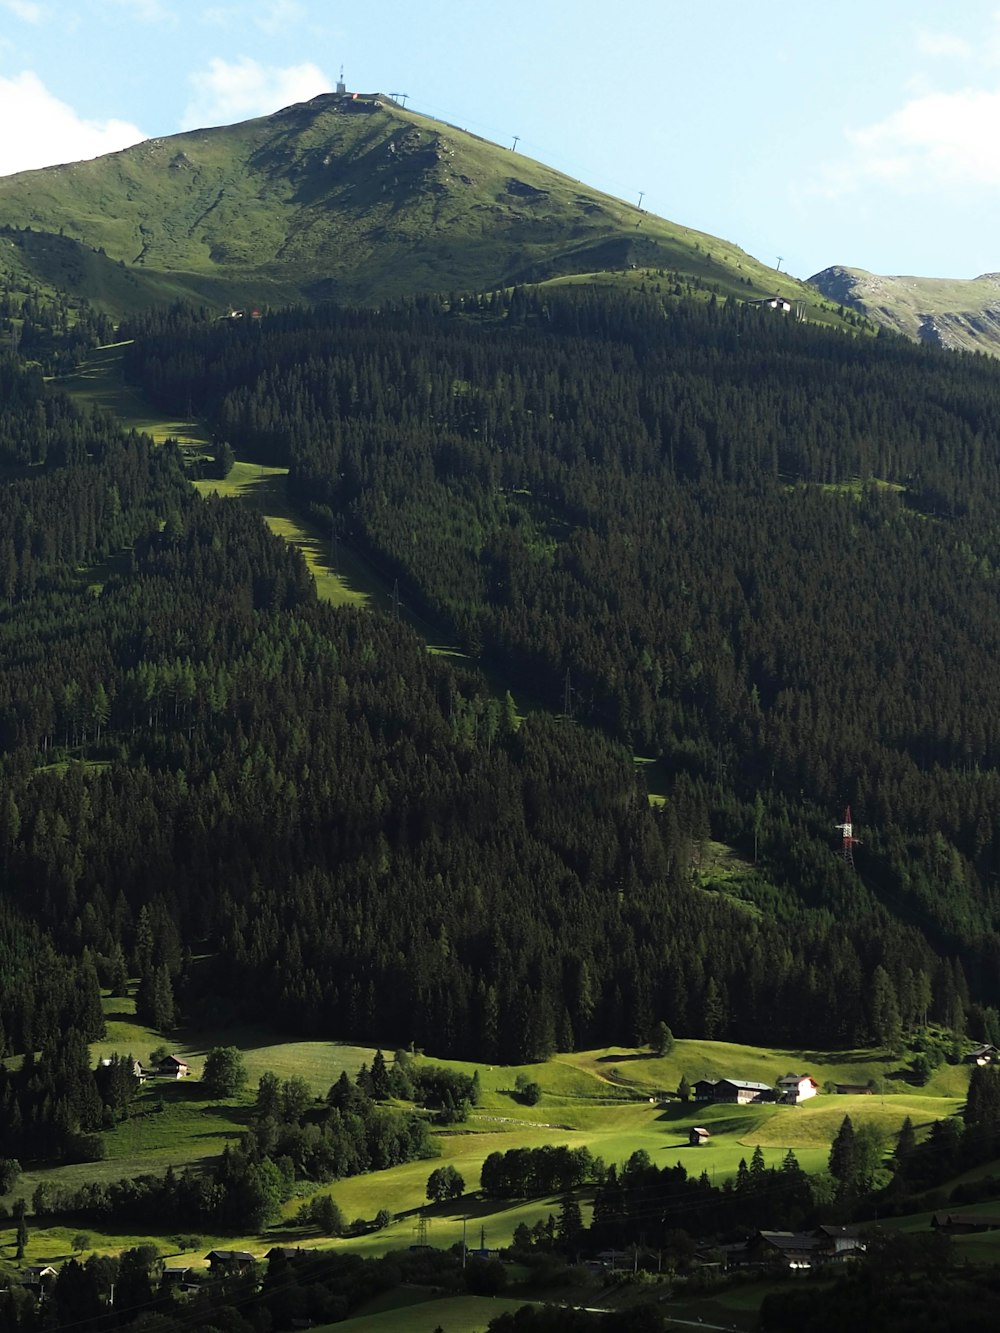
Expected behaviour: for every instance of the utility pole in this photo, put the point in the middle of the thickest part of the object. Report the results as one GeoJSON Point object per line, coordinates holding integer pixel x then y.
{"type": "Point", "coordinates": [780, 261]}
{"type": "Point", "coordinates": [513, 148]}
{"type": "Point", "coordinates": [849, 841]}
{"type": "Point", "coordinates": [642, 195]}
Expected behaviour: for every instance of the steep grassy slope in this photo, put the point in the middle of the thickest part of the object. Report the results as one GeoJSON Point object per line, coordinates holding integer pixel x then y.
{"type": "Point", "coordinates": [356, 200]}
{"type": "Point", "coordinates": [949, 312]}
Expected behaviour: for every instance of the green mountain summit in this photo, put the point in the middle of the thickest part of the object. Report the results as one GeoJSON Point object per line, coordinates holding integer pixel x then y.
{"type": "Point", "coordinates": [353, 198]}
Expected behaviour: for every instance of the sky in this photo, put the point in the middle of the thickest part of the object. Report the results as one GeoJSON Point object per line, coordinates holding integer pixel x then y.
{"type": "Point", "coordinates": [858, 132]}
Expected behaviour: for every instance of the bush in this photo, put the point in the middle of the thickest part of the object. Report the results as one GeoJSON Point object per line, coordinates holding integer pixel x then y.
{"type": "Point", "coordinates": [225, 1074]}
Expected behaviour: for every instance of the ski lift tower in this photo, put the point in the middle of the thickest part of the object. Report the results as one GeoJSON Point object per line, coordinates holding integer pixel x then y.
{"type": "Point", "coordinates": [849, 840]}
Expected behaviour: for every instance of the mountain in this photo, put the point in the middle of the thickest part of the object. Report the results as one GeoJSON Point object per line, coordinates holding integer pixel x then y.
{"type": "Point", "coordinates": [353, 198]}
{"type": "Point", "coordinates": [948, 312]}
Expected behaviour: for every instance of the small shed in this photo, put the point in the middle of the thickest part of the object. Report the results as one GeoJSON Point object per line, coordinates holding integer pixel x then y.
{"type": "Point", "coordinates": [697, 1135]}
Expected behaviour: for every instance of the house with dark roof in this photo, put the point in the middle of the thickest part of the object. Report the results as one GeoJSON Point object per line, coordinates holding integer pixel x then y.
{"type": "Point", "coordinates": [981, 1055]}
{"type": "Point", "coordinates": [965, 1224]}
{"type": "Point", "coordinates": [228, 1263]}
{"type": "Point", "coordinates": [171, 1067]}
{"type": "Point", "coordinates": [797, 1250]}
{"type": "Point", "coordinates": [795, 1088]}
{"type": "Point", "coordinates": [742, 1090]}
{"type": "Point", "coordinates": [739, 1090]}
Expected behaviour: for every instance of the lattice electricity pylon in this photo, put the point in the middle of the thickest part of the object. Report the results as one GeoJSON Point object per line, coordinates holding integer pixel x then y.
{"type": "Point", "coordinates": [849, 840]}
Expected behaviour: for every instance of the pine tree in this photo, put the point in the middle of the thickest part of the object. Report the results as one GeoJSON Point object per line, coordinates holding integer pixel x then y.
{"type": "Point", "coordinates": [843, 1163]}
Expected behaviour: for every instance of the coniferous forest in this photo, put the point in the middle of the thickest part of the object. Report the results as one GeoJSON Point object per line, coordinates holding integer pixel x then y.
{"type": "Point", "coordinates": [760, 552]}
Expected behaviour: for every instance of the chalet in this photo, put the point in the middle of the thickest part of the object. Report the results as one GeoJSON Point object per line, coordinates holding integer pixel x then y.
{"type": "Point", "coordinates": [799, 1250]}
{"type": "Point", "coordinates": [795, 1088]}
{"type": "Point", "coordinates": [965, 1224]}
{"type": "Point", "coordinates": [39, 1278]}
{"type": "Point", "coordinates": [981, 1055]}
{"type": "Point", "coordinates": [291, 1254]}
{"type": "Point", "coordinates": [731, 1090]}
{"type": "Point", "coordinates": [171, 1067]}
{"type": "Point", "coordinates": [697, 1136]}
{"type": "Point", "coordinates": [742, 1090]}
{"type": "Point", "coordinates": [182, 1277]}
{"type": "Point", "coordinates": [840, 1240]}
{"type": "Point", "coordinates": [775, 302]}
{"type": "Point", "coordinates": [229, 1263]}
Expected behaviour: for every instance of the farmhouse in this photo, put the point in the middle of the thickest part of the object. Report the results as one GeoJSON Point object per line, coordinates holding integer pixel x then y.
{"type": "Point", "coordinates": [965, 1224]}
{"type": "Point", "coordinates": [731, 1090]}
{"type": "Point", "coordinates": [982, 1055]}
{"type": "Point", "coordinates": [774, 303]}
{"type": "Point", "coordinates": [226, 1263]}
{"type": "Point", "coordinates": [797, 1250]}
{"type": "Point", "coordinates": [171, 1067]}
{"type": "Point", "coordinates": [39, 1278]}
{"type": "Point", "coordinates": [742, 1090]}
{"type": "Point", "coordinates": [795, 1088]}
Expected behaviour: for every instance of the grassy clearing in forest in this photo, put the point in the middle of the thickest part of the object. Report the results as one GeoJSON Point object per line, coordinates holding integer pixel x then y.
{"type": "Point", "coordinates": [614, 1101]}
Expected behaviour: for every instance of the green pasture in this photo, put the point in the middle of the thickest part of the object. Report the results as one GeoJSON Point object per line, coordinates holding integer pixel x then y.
{"type": "Point", "coordinates": [614, 1101]}
{"type": "Point", "coordinates": [423, 1311]}
{"type": "Point", "coordinates": [99, 382]}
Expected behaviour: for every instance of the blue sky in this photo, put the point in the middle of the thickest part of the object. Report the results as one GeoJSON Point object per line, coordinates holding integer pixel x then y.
{"type": "Point", "coordinates": [860, 132]}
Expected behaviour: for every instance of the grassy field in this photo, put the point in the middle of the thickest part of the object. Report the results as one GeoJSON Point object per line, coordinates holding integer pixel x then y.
{"type": "Point", "coordinates": [456, 1314]}
{"type": "Point", "coordinates": [611, 1101]}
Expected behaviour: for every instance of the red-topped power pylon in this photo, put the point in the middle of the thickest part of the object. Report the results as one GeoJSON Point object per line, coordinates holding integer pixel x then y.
{"type": "Point", "coordinates": [849, 840]}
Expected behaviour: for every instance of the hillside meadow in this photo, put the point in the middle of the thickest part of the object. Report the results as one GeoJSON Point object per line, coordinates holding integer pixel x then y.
{"type": "Point", "coordinates": [614, 1101]}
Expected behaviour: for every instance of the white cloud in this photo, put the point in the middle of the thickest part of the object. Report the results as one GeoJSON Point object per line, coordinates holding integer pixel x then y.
{"type": "Point", "coordinates": [939, 141]}
{"type": "Point", "coordinates": [49, 131]}
{"type": "Point", "coordinates": [236, 90]}
{"type": "Point", "coordinates": [25, 10]}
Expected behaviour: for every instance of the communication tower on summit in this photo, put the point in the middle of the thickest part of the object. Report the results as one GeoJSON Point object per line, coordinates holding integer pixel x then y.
{"type": "Point", "coordinates": [849, 841]}
{"type": "Point", "coordinates": [341, 85]}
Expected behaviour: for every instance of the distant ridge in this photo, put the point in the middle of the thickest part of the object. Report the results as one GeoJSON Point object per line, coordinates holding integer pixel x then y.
{"type": "Point", "coordinates": [947, 312]}
{"type": "Point", "coordinates": [345, 196]}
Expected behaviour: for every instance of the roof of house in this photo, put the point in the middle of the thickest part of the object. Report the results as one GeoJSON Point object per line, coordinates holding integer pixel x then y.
{"type": "Point", "coordinates": [793, 1080]}
{"type": "Point", "coordinates": [173, 1060]}
{"type": "Point", "coordinates": [834, 1231]}
{"type": "Point", "coordinates": [240, 1256]}
{"type": "Point", "coordinates": [746, 1083]}
{"type": "Point", "coordinates": [799, 1241]}
{"type": "Point", "coordinates": [988, 1220]}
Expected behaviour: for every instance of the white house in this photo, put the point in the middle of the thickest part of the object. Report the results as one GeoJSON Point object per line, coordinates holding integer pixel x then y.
{"type": "Point", "coordinates": [795, 1088]}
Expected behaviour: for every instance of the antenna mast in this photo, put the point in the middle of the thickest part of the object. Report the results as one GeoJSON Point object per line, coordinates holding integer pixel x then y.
{"type": "Point", "coordinates": [849, 841]}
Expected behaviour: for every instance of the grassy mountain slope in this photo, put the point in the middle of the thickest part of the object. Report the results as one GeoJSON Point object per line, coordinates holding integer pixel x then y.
{"type": "Point", "coordinates": [325, 199]}
{"type": "Point", "coordinates": [949, 312]}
